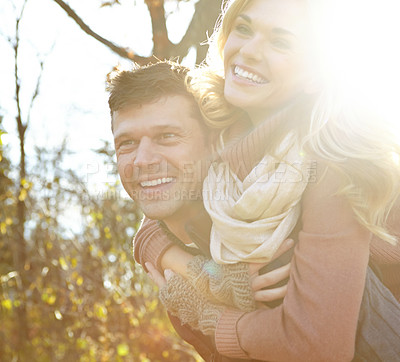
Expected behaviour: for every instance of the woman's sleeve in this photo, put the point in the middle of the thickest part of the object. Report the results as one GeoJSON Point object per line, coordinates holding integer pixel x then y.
{"type": "Point", "coordinates": [318, 318]}
{"type": "Point", "coordinates": [150, 244]}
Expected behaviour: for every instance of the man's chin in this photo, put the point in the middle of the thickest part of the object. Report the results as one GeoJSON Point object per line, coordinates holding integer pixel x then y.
{"type": "Point", "coordinates": [158, 211]}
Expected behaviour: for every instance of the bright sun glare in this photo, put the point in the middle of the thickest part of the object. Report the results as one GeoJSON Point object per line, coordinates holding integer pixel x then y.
{"type": "Point", "coordinates": [362, 54]}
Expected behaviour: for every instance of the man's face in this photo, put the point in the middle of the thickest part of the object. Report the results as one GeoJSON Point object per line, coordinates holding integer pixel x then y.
{"type": "Point", "coordinates": [161, 149]}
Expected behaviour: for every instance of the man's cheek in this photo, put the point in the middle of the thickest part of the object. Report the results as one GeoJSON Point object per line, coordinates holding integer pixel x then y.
{"type": "Point", "coordinates": [126, 172]}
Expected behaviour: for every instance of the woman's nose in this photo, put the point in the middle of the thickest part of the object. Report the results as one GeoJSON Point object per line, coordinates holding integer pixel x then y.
{"type": "Point", "coordinates": [253, 48]}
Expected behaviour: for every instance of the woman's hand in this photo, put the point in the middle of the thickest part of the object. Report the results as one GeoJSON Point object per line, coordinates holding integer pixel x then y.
{"type": "Point", "coordinates": [261, 284]}
{"type": "Point", "coordinates": [185, 302]}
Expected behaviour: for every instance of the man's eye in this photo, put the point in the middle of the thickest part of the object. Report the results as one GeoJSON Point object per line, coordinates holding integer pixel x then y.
{"type": "Point", "coordinates": [168, 135]}
{"type": "Point", "coordinates": [127, 143]}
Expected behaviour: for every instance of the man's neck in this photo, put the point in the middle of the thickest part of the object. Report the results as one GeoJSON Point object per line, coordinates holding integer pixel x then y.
{"type": "Point", "coordinates": [176, 224]}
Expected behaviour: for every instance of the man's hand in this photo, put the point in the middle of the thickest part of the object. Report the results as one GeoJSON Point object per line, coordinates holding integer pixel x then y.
{"type": "Point", "coordinates": [156, 276]}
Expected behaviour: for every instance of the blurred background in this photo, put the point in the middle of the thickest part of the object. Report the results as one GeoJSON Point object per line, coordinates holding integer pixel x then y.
{"type": "Point", "coordinates": [69, 288]}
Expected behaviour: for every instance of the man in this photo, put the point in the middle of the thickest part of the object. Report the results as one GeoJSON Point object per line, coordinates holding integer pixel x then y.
{"type": "Point", "coordinates": [162, 146]}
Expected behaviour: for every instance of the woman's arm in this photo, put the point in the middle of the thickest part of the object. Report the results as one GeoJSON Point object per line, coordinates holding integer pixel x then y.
{"type": "Point", "coordinates": [318, 318]}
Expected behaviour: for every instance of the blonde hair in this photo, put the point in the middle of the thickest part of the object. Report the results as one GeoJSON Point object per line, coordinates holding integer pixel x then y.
{"type": "Point", "coordinates": [207, 82]}
{"type": "Point", "coordinates": [362, 146]}
{"type": "Point", "coordinates": [349, 138]}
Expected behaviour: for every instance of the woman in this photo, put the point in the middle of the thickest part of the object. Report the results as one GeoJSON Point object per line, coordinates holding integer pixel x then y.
{"type": "Point", "coordinates": [266, 68]}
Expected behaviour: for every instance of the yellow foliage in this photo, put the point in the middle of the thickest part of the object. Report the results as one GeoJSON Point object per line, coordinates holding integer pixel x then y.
{"type": "Point", "coordinates": [63, 263]}
{"type": "Point", "coordinates": [51, 299]}
{"type": "Point", "coordinates": [81, 343]}
{"type": "Point", "coordinates": [7, 304]}
{"type": "Point", "coordinates": [100, 311]}
{"type": "Point", "coordinates": [134, 322]}
{"type": "Point", "coordinates": [165, 354]}
{"type": "Point", "coordinates": [48, 297]}
{"type": "Point", "coordinates": [123, 349]}
{"type": "Point", "coordinates": [22, 195]}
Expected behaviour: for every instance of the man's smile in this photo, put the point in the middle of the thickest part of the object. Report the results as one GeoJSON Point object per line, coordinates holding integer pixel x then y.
{"type": "Point", "coordinates": [156, 182]}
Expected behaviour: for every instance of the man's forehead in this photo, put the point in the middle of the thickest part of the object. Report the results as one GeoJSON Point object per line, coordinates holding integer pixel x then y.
{"type": "Point", "coordinates": [175, 111]}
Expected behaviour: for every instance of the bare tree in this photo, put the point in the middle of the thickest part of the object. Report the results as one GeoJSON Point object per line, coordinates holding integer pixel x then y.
{"type": "Point", "coordinates": [19, 245]}
{"type": "Point", "coordinates": [202, 23]}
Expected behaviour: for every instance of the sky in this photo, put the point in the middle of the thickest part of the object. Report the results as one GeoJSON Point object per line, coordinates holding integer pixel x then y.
{"type": "Point", "coordinates": [72, 103]}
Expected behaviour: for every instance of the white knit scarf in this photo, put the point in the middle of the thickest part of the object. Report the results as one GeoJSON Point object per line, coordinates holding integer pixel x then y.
{"type": "Point", "coordinates": [252, 218]}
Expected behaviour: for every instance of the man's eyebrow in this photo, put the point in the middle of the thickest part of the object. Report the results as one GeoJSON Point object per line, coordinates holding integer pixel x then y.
{"type": "Point", "coordinates": [122, 135]}
{"type": "Point", "coordinates": [163, 127]}
{"type": "Point", "coordinates": [158, 128]}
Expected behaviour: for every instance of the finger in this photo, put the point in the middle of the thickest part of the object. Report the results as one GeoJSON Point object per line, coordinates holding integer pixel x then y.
{"type": "Point", "coordinates": [155, 275]}
{"type": "Point", "coordinates": [269, 295]}
{"type": "Point", "coordinates": [285, 246]}
{"type": "Point", "coordinates": [271, 278]}
{"type": "Point", "coordinates": [168, 273]}
{"type": "Point", "coordinates": [255, 267]}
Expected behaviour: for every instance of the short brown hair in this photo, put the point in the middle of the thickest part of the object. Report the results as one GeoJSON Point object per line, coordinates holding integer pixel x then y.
{"type": "Point", "coordinates": [147, 84]}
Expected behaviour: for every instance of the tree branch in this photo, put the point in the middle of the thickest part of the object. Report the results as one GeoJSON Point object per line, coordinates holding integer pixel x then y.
{"type": "Point", "coordinates": [203, 22]}
{"type": "Point", "coordinates": [122, 52]}
{"type": "Point", "coordinates": [161, 43]}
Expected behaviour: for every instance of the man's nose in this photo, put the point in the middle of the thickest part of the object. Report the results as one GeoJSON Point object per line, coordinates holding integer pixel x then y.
{"type": "Point", "coordinates": [146, 154]}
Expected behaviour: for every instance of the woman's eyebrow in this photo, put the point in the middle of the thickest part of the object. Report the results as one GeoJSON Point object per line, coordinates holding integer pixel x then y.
{"type": "Point", "coordinates": [245, 17]}
{"type": "Point", "coordinates": [277, 31]}
{"type": "Point", "coordinates": [282, 31]}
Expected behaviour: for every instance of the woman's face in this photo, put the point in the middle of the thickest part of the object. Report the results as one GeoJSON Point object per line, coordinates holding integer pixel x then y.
{"type": "Point", "coordinates": [264, 56]}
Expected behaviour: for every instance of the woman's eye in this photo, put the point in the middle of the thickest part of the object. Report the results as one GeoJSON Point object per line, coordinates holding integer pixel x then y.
{"type": "Point", "coordinates": [281, 43]}
{"type": "Point", "coordinates": [242, 29]}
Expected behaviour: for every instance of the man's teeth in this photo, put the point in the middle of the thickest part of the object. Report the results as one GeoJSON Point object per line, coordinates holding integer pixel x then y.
{"type": "Point", "coordinates": [156, 182]}
{"type": "Point", "coordinates": [249, 76]}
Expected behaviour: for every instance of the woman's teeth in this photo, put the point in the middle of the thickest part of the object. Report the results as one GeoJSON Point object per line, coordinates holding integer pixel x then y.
{"type": "Point", "coordinates": [248, 76]}
{"type": "Point", "coordinates": [156, 182]}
